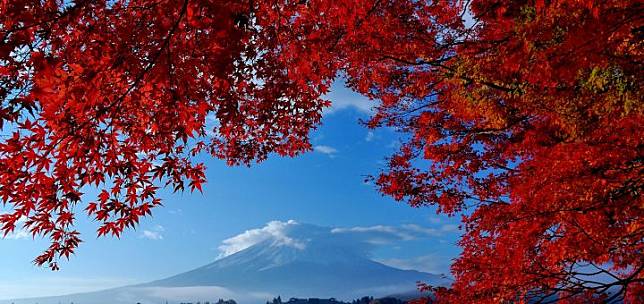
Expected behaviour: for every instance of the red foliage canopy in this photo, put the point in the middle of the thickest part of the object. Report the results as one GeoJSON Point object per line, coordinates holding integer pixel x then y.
{"type": "Point", "coordinates": [115, 95]}
{"type": "Point", "coordinates": [528, 121]}
{"type": "Point", "coordinates": [526, 118]}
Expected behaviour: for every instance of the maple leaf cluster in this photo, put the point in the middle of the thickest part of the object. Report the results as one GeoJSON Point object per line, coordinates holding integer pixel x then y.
{"type": "Point", "coordinates": [115, 95]}
{"type": "Point", "coordinates": [523, 117]}
{"type": "Point", "coordinates": [527, 121]}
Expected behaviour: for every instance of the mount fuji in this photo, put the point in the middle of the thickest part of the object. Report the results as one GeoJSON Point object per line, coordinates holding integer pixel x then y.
{"type": "Point", "coordinates": [296, 260]}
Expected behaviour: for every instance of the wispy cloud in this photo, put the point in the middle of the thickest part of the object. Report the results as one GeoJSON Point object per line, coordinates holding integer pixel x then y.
{"type": "Point", "coordinates": [432, 263]}
{"type": "Point", "coordinates": [378, 234]}
{"type": "Point", "coordinates": [153, 234]}
{"type": "Point", "coordinates": [381, 234]}
{"type": "Point", "coordinates": [19, 233]}
{"type": "Point", "coordinates": [331, 151]}
{"type": "Point", "coordinates": [370, 136]}
{"type": "Point", "coordinates": [450, 228]}
{"type": "Point", "coordinates": [342, 99]}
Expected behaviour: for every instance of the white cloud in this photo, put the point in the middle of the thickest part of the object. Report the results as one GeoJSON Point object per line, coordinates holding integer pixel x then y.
{"type": "Point", "coordinates": [159, 228]}
{"type": "Point", "coordinates": [19, 233]}
{"type": "Point", "coordinates": [370, 136]}
{"type": "Point", "coordinates": [394, 144]}
{"type": "Point", "coordinates": [432, 263]}
{"type": "Point", "coordinates": [422, 230]}
{"type": "Point", "coordinates": [153, 234]}
{"type": "Point", "coordinates": [450, 228]}
{"type": "Point", "coordinates": [381, 234]}
{"type": "Point", "coordinates": [276, 231]}
{"type": "Point", "coordinates": [443, 226]}
{"type": "Point", "coordinates": [325, 150]}
{"type": "Point", "coordinates": [359, 103]}
{"type": "Point", "coordinates": [441, 230]}
{"type": "Point", "coordinates": [342, 99]}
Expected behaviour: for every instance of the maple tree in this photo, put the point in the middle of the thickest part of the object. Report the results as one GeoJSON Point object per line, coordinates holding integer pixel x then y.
{"type": "Point", "coordinates": [523, 116]}
{"type": "Point", "coordinates": [115, 95]}
{"type": "Point", "coordinates": [527, 122]}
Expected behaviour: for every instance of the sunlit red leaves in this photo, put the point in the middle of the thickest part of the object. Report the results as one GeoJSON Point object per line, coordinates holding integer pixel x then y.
{"type": "Point", "coordinates": [529, 128]}
{"type": "Point", "coordinates": [114, 96]}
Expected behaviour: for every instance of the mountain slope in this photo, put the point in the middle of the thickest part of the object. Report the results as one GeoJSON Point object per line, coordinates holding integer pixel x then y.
{"type": "Point", "coordinates": [310, 262]}
{"type": "Point", "coordinates": [290, 271]}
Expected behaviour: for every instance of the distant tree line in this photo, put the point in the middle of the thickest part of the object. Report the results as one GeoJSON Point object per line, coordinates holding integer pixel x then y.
{"type": "Point", "coordinates": [363, 300]}
{"type": "Point", "coordinates": [221, 301]}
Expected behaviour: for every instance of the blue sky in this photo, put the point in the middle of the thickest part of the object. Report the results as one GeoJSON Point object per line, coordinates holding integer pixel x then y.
{"type": "Point", "coordinates": [324, 187]}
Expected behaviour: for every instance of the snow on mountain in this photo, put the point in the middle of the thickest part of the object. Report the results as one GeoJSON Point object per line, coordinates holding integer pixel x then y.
{"type": "Point", "coordinates": [284, 258]}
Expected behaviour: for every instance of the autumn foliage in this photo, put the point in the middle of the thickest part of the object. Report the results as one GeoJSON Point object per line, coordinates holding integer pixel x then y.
{"type": "Point", "coordinates": [115, 95]}
{"type": "Point", "coordinates": [529, 123]}
{"type": "Point", "coordinates": [523, 117]}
